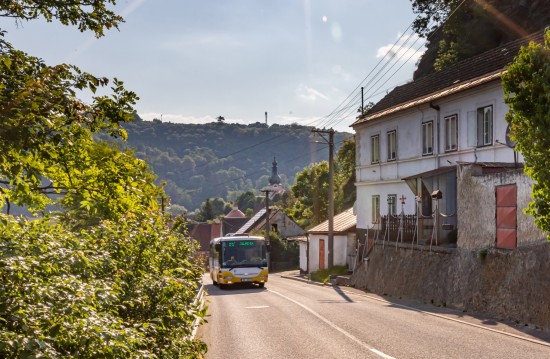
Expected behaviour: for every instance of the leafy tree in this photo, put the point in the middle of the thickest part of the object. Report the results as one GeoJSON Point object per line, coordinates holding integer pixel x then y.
{"type": "Point", "coordinates": [246, 200]}
{"type": "Point", "coordinates": [309, 203]}
{"type": "Point", "coordinates": [85, 14]}
{"type": "Point", "coordinates": [106, 277]}
{"type": "Point", "coordinates": [195, 157]}
{"type": "Point", "coordinates": [282, 250]}
{"type": "Point", "coordinates": [458, 29]}
{"type": "Point", "coordinates": [206, 212]}
{"type": "Point", "coordinates": [345, 176]}
{"type": "Point", "coordinates": [46, 130]}
{"type": "Point", "coordinates": [212, 209]}
{"type": "Point", "coordinates": [527, 87]}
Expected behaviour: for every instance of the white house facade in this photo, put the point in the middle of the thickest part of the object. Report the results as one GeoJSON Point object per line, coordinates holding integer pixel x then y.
{"type": "Point", "coordinates": [410, 143]}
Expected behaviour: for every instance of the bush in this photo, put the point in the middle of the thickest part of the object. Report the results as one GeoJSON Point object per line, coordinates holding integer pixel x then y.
{"type": "Point", "coordinates": [323, 275]}
{"type": "Point", "coordinates": [122, 289]}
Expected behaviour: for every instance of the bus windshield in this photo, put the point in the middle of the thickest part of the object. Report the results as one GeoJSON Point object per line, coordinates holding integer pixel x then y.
{"type": "Point", "coordinates": [248, 253]}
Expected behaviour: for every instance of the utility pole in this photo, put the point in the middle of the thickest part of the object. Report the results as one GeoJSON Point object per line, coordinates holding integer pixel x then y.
{"type": "Point", "coordinates": [323, 133]}
{"type": "Point", "coordinates": [267, 226]}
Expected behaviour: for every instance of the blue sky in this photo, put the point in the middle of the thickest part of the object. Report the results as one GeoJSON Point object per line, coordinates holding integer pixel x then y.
{"type": "Point", "coordinates": [193, 60]}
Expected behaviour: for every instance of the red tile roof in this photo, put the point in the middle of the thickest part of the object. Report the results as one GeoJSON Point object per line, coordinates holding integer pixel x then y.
{"type": "Point", "coordinates": [235, 213]}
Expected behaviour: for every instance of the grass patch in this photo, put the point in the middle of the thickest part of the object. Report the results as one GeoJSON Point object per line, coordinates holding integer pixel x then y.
{"type": "Point", "coordinates": [323, 275]}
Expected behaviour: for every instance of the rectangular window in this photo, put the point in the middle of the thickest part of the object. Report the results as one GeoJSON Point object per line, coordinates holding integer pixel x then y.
{"type": "Point", "coordinates": [485, 126]}
{"type": "Point", "coordinates": [392, 204]}
{"type": "Point", "coordinates": [392, 145]}
{"type": "Point", "coordinates": [451, 133]}
{"type": "Point", "coordinates": [427, 138]}
{"type": "Point", "coordinates": [376, 209]}
{"type": "Point", "coordinates": [375, 149]}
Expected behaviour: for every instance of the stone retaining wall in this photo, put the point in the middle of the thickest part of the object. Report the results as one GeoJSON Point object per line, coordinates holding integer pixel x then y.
{"type": "Point", "coordinates": [512, 285]}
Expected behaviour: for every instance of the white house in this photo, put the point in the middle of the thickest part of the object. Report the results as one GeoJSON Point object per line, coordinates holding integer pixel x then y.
{"type": "Point", "coordinates": [344, 241]}
{"type": "Point", "coordinates": [410, 143]}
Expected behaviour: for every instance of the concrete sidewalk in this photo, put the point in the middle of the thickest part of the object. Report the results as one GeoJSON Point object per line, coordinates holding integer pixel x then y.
{"type": "Point", "coordinates": [503, 327]}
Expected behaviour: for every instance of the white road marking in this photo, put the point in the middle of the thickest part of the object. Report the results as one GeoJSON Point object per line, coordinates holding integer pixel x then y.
{"type": "Point", "coordinates": [347, 334]}
{"type": "Point", "coordinates": [258, 307]}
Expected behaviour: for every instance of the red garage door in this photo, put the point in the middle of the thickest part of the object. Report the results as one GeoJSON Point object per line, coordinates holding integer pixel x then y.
{"type": "Point", "coordinates": [506, 216]}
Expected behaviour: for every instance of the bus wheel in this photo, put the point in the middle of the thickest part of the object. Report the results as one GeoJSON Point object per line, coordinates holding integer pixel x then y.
{"type": "Point", "coordinates": [222, 286]}
{"type": "Point", "coordinates": [261, 285]}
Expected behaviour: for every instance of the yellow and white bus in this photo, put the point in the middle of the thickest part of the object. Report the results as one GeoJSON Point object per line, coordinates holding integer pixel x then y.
{"type": "Point", "coordinates": [238, 259]}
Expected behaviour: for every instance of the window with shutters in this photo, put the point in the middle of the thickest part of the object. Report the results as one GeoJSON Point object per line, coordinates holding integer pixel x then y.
{"type": "Point", "coordinates": [451, 133]}
{"type": "Point", "coordinates": [376, 209]}
{"type": "Point", "coordinates": [427, 138]}
{"type": "Point", "coordinates": [375, 149]}
{"type": "Point", "coordinates": [485, 126]}
{"type": "Point", "coordinates": [392, 145]}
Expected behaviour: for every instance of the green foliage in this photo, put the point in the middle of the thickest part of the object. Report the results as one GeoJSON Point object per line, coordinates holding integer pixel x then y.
{"type": "Point", "coordinates": [283, 251]}
{"type": "Point", "coordinates": [527, 93]}
{"type": "Point", "coordinates": [431, 13]}
{"type": "Point", "coordinates": [46, 131]}
{"type": "Point", "coordinates": [104, 277]}
{"type": "Point", "coordinates": [245, 201]}
{"type": "Point", "coordinates": [345, 176]}
{"type": "Point", "coordinates": [220, 159]}
{"type": "Point", "coordinates": [212, 209]}
{"type": "Point", "coordinates": [473, 27]}
{"type": "Point", "coordinates": [85, 14]}
{"type": "Point", "coordinates": [121, 289]}
{"type": "Point", "coordinates": [323, 275]}
{"type": "Point", "coordinates": [308, 205]}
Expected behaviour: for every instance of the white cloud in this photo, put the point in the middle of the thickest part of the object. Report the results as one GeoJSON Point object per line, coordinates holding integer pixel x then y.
{"type": "Point", "coordinates": [403, 50]}
{"type": "Point", "coordinates": [308, 94]}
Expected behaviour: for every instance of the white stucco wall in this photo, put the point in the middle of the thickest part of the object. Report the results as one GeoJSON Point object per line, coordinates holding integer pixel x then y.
{"type": "Point", "coordinates": [341, 245]}
{"type": "Point", "coordinates": [385, 177]}
{"type": "Point", "coordinates": [303, 256]}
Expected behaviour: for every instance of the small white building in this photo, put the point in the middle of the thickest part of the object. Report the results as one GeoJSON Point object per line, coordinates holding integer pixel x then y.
{"type": "Point", "coordinates": [344, 242]}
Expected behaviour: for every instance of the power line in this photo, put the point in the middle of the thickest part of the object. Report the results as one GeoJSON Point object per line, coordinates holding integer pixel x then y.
{"type": "Point", "coordinates": [247, 176]}
{"type": "Point", "coordinates": [427, 39]}
{"type": "Point", "coordinates": [337, 110]}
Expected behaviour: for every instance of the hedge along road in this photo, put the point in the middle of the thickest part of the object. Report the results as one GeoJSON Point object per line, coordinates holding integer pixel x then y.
{"type": "Point", "coordinates": [294, 319]}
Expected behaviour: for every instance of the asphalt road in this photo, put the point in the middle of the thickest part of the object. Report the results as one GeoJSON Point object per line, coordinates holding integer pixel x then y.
{"type": "Point", "coordinates": [294, 319]}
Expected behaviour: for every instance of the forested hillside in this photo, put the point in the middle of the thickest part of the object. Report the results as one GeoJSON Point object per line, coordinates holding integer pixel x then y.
{"type": "Point", "coordinates": [220, 159]}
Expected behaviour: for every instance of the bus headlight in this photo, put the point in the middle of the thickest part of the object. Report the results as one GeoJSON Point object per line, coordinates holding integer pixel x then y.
{"type": "Point", "coordinates": [228, 277]}
{"type": "Point", "coordinates": [263, 277]}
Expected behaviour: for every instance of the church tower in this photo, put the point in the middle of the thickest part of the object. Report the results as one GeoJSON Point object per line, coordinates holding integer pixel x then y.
{"type": "Point", "coordinates": [274, 179]}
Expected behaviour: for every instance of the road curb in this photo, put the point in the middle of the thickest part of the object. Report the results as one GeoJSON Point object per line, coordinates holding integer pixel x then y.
{"type": "Point", "coordinates": [305, 280]}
